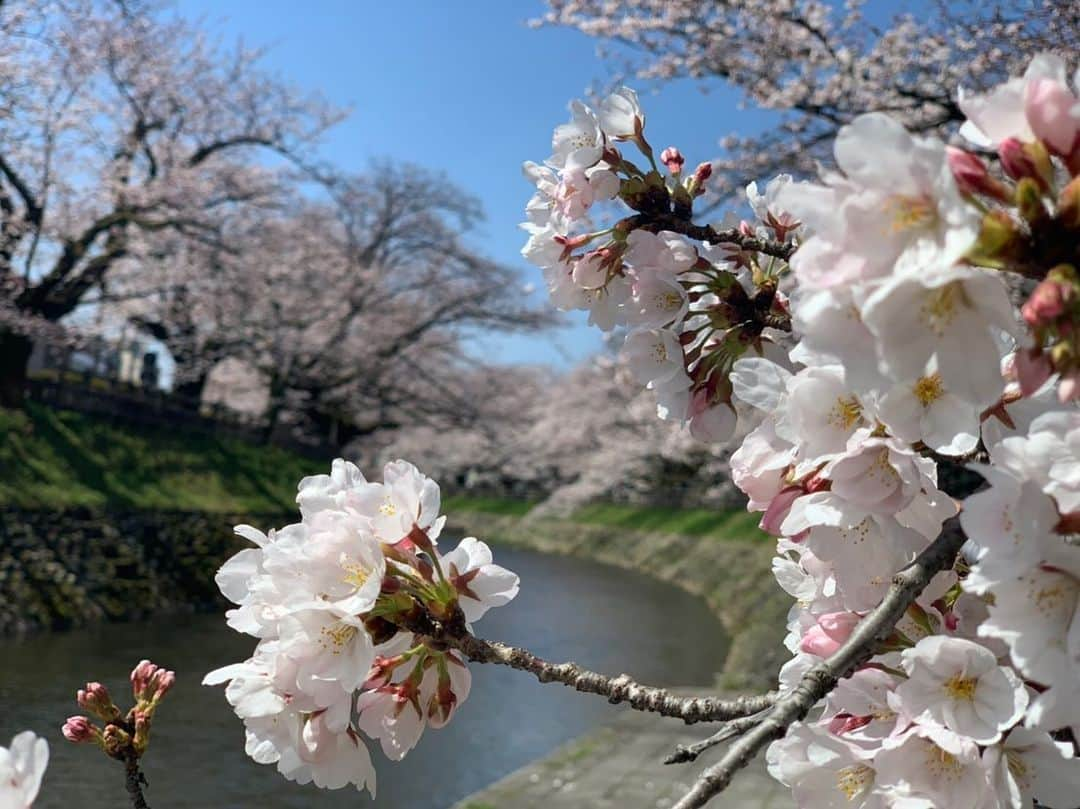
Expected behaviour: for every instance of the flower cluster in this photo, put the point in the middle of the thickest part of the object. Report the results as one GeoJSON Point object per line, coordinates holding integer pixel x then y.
{"type": "Point", "coordinates": [334, 601]}
{"type": "Point", "coordinates": [856, 335]}
{"type": "Point", "coordinates": [22, 766]}
{"type": "Point", "coordinates": [692, 306]}
{"type": "Point", "coordinates": [122, 735]}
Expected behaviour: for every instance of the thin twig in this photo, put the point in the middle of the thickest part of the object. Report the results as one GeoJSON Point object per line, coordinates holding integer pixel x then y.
{"type": "Point", "coordinates": [135, 781]}
{"type": "Point", "coordinates": [707, 233]}
{"type": "Point", "coordinates": [794, 705]}
{"type": "Point", "coordinates": [616, 689]}
{"type": "Point", "coordinates": [453, 634]}
{"type": "Point", "coordinates": [686, 753]}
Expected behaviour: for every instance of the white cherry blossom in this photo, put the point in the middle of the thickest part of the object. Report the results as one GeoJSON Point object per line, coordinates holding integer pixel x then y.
{"type": "Point", "coordinates": [958, 684]}
{"type": "Point", "coordinates": [480, 583]}
{"type": "Point", "coordinates": [823, 771]}
{"type": "Point", "coordinates": [22, 768]}
{"type": "Point", "coordinates": [620, 115]}
{"type": "Point", "coordinates": [929, 769]}
{"type": "Point", "coordinates": [1029, 764]}
{"type": "Point", "coordinates": [952, 316]}
{"type": "Point", "coordinates": [578, 144]}
{"type": "Point", "coordinates": [924, 410]}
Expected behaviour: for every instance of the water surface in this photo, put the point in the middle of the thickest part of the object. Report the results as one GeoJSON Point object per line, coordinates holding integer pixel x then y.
{"type": "Point", "coordinates": [602, 617]}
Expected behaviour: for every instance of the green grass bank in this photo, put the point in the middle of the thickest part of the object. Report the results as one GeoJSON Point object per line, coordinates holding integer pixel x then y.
{"type": "Point", "coordinates": [53, 459]}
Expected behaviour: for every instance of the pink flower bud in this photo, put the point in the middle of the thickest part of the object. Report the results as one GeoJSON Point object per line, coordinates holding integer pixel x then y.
{"type": "Point", "coordinates": [79, 729]}
{"type": "Point", "coordinates": [703, 172]}
{"type": "Point", "coordinates": [1017, 162]}
{"type": "Point", "coordinates": [673, 159]}
{"type": "Point", "coordinates": [972, 176]}
{"type": "Point", "coordinates": [1048, 106]}
{"type": "Point", "coordinates": [95, 698]}
{"type": "Point", "coordinates": [141, 677]}
{"type": "Point", "coordinates": [778, 509]}
{"type": "Point", "coordinates": [832, 630]}
{"type": "Point", "coordinates": [163, 681]}
{"type": "Point", "coordinates": [1046, 303]}
{"type": "Point", "coordinates": [817, 642]}
{"type": "Point", "coordinates": [1032, 371]}
{"type": "Point", "coordinates": [839, 625]}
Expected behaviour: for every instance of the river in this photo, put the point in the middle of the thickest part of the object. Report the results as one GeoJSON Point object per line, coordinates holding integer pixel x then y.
{"type": "Point", "coordinates": [602, 617]}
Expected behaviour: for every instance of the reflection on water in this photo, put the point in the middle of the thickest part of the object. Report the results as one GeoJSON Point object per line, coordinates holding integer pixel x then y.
{"type": "Point", "coordinates": [602, 617]}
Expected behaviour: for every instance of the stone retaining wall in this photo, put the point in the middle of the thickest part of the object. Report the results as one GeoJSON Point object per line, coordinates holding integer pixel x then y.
{"type": "Point", "coordinates": [64, 569]}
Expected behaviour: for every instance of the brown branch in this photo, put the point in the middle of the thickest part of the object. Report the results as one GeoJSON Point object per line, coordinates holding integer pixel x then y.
{"type": "Point", "coordinates": [685, 753]}
{"type": "Point", "coordinates": [134, 781]}
{"type": "Point", "coordinates": [794, 705]}
{"type": "Point", "coordinates": [654, 222]}
{"type": "Point", "coordinates": [453, 634]}
{"type": "Point", "coordinates": [616, 689]}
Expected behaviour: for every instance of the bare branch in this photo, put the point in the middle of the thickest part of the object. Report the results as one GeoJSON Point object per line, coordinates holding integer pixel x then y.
{"type": "Point", "coordinates": [685, 753]}
{"type": "Point", "coordinates": [794, 705]}
{"type": "Point", "coordinates": [707, 233]}
{"type": "Point", "coordinates": [134, 781]}
{"type": "Point", "coordinates": [616, 689]}
{"type": "Point", "coordinates": [453, 634]}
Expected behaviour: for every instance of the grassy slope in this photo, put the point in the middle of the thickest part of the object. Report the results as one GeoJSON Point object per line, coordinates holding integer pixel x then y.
{"type": "Point", "coordinates": [53, 459]}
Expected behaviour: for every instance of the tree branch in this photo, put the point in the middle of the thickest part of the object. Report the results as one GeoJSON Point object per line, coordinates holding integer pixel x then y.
{"type": "Point", "coordinates": [685, 753]}
{"type": "Point", "coordinates": [453, 634]}
{"type": "Point", "coordinates": [134, 781]}
{"type": "Point", "coordinates": [707, 233]}
{"type": "Point", "coordinates": [794, 705]}
{"type": "Point", "coordinates": [616, 689]}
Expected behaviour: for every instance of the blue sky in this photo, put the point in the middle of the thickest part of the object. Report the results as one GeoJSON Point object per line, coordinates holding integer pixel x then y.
{"type": "Point", "coordinates": [466, 87]}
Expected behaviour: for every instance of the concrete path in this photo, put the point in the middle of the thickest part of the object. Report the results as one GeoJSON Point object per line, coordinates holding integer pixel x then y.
{"type": "Point", "coordinates": [621, 767]}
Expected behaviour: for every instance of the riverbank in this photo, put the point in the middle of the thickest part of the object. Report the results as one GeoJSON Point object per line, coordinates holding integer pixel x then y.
{"type": "Point", "coordinates": [620, 766]}
{"type": "Point", "coordinates": [67, 568]}
{"type": "Point", "coordinates": [733, 577]}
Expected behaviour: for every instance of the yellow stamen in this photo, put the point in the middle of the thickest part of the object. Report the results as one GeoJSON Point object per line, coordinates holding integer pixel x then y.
{"type": "Point", "coordinates": [845, 412]}
{"type": "Point", "coordinates": [355, 574]}
{"type": "Point", "coordinates": [939, 307]}
{"type": "Point", "coordinates": [928, 389]}
{"type": "Point", "coordinates": [853, 780]}
{"type": "Point", "coordinates": [959, 687]}
{"type": "Point", "coordinates": [910, 212]}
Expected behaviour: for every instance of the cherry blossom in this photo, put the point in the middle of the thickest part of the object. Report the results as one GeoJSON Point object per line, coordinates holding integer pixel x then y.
{"type": "Point", "coordinates": [1029, 763]}
{"type": "Point", "coordinates": [22, 768]}
{"type": "Point", "coordinates": [329, 599]}
{"type": "Point", "coordinates": [823, 770]}
{"type": "Point", "coordinates": [959, 685]}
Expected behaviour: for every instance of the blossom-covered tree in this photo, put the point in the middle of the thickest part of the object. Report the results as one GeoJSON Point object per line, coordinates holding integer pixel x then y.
{"type": "Point", "coordinates": [820, 64]}
{"type": "Point", "coordinates": [124, 126]}
{"type": "Point", "coordinates": [351, 309]}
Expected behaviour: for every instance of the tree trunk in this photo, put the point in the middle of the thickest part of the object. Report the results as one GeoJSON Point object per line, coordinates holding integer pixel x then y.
{"type": "Point", "coordinates": [192, 389]}
{"type": "Point", "coordinates": [275, 406]}
{"type": "Point", "coordinates": [14, 356]}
